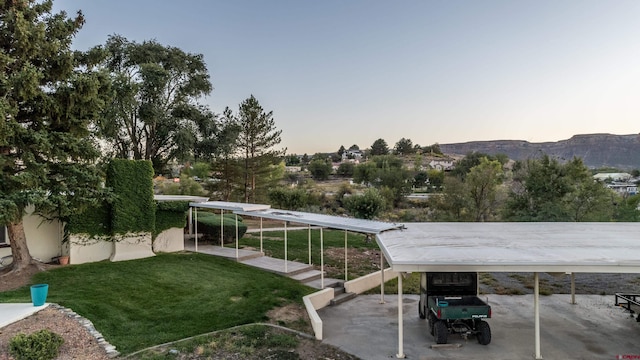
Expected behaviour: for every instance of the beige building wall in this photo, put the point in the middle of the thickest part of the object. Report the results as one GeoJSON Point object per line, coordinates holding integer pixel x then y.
{"type": "Point", "coordinates": [170, 240]}
{"type": "Point", "coordinates": [44, 237]}
{"type": "Point", "coordinates": [132, 246]}
{"type": "Point", "coordinates": [82, 249]}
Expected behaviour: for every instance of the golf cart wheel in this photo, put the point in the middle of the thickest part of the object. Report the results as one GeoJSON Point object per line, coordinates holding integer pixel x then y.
{"type": "Point", "coordinates": [440, 332]}
{"type": "Point", "coordinates": [483, 333]}
{"type": "Point", "coordinates": [432, 321]}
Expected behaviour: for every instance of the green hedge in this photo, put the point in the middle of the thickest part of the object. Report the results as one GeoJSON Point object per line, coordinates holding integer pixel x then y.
{"type": "Point", "coordinates": [209, 226]}
{"type": "Point", "coordinates": [170, 214]}
{"type": "Point", "coordinates": [95, 221]}
{"type": "Point", "coordinates": [133, 209]}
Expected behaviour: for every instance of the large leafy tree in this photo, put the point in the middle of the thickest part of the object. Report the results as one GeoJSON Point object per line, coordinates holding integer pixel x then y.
{"type": "Point", "coordinates": [546, 190]}
{"type": "Point", "coordinates": [481, 185]}
{"type": "Point", "coordinates": [319, 169]}
{"type": "Point", "coordinates": [257, 138]}
{"type": "Point", "coordinates": [385, 172]}
{"type": "Point", "coordinates": [155, 114]}
{"type": "Point", "coordinates": [49, 95]}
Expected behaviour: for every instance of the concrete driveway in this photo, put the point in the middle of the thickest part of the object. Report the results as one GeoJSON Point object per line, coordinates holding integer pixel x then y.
{"type": "Point", "coordinates": [592, 329]}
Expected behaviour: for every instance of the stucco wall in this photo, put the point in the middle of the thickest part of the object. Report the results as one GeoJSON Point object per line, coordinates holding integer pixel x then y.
{"type": "Point", "coordinates": [170, 240]}
{"type": "Point", "coordinates": [83, 250]}
{"type": "Point", "coordinates": [369, 281]}
{"type": "Point", "coordinates": [44, 237]}
{"type": "Point", "coordinates": [132, 246]}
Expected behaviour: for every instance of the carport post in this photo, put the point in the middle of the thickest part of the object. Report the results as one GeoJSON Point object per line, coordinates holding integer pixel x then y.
{"type": "Point", "coordinates": [190, 220]}
{"type": "Point", "coordinates": [321, 260]}
{"type": "Point", "coordinates": [345, 256]}
{"type": "Point", "coordinates": [237, 237]}
{"type": "Point", "coordinates": [222, 227]}
{"type": "Point", "coordinates": [261, 236]}
{"type": "Point", "coordinates": [536, 312]}
{"type": "Point", "coordinates": [309, 244]}
{"type": "Point", "coordinates": [381, 278]}
{"type": "Point", "coordinates": [573, 288]}
{"type": "Point", "coordinates": [285, 247]}
{"type": "Point", "coordinates": [400, 354]}
{"type": "Point", "coordinates": [196, 229]}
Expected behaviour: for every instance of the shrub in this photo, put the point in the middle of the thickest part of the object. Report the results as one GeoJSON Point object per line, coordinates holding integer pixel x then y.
{"type": "Point", "coordinates": [40, 345]}
{"type": "Point", "coordinates": [209, 226]}
{"type": "Point", "coordinates": [365, 206]}
{"type": "Point", "coordinates": [289, 199]}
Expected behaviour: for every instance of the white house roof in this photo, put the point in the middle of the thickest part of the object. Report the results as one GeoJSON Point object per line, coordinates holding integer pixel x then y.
{"type": "Point", "coordinates": [328, 221]}
{"type": "Point", "coordinates": [612, 176]}
{"type": "Point", "coordinates": [514, 247]}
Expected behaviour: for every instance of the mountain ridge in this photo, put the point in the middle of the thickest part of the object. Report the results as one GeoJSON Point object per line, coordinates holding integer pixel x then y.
{"type": "Point", "coordinates": [596, 150]}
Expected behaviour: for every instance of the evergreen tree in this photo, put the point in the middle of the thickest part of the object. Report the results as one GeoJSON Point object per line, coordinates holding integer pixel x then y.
{"type": "Point", "coordinates": [258, 136]}
{"type": "Point", "coordinates": [379, 147]}
{"type": "Point", "coordinates": [404, 147]}
{"type": "Point", "coordinates": [49, 96]}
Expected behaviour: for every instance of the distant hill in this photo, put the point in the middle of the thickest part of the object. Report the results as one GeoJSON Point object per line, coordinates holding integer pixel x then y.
{"type": "Point", "coordinates": [596, 150]}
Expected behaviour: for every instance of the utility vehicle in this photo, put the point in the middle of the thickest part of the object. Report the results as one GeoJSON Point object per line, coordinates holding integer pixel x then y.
{"type": "Point", "coordinates": [450, 302]}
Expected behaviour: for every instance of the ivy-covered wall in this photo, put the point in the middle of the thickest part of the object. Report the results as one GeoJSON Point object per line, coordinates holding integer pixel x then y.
{"type": "Point", "coordinates": [170, 214]}
{"type": "Point", "coordinates": [133, 209]}
{"type": "Point", "coordinates": [95, 221]}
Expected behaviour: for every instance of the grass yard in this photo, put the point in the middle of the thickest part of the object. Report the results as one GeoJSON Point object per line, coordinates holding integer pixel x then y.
{"type": "Point", "coordinates": [139, 303]}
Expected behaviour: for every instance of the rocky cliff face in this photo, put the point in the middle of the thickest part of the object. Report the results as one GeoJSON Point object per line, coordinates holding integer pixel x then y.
{"type": "Point", "coordinates": [596, 150]}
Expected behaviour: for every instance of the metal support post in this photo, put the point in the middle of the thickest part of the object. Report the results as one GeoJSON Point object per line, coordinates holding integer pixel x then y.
{"type": "Point", "coordinates": [400, 354]}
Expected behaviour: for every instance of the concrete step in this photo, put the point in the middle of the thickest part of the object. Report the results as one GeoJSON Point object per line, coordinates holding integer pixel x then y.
{"type": "Point", "coordinates": [328, 282]}
{"type": "Point", "coordinates": [338, 290]}
{"type": "Point", "coordinates": [307, 276]}
{"type": "Point", "coordinates": [342, 298]}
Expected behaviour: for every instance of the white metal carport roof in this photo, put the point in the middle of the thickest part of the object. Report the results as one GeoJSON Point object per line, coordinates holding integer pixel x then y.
{"type": "Point", "coordinates": [511, 247]}
{"type": "Point", "coordinates": [327, 221]}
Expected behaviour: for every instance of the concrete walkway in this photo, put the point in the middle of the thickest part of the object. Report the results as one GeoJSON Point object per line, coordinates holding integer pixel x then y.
{"type": "Point", "coordinates": [304, 273]}
{"type": "Point", "coordinates": [593, 329]}
{"type": "Point", "coordinates": [10, 313]}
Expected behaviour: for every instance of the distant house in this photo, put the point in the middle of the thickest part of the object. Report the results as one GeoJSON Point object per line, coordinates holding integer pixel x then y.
{"type": "Point", "coordinates": [612, 176]}
{"type": "Point", "coordinates": [292, 169]}
{"type": "Point", "coordinates": [352, 154]}
{"type": "Point", "coordinates": [624, 188]}
{"type": "Point", "coordinates": [442, 164]}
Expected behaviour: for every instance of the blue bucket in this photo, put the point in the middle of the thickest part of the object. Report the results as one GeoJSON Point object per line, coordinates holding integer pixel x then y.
{"type": "Point", "coordinates": [39, 294]}
{"type": "Point", "coordinates": [443, 303]}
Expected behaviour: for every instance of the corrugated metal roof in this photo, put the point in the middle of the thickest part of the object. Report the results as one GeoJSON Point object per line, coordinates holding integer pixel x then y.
{"type": "Point", "coordinates": [328, 221]}
{"type": "Point", "coordinates": [232, 206]}
{"type": "Point", "coordinates": [528, 247]}
{"type": "Point", "coordinates": [198, 199]}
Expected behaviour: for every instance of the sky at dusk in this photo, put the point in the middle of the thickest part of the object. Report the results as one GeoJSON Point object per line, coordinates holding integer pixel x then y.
{"type": "Point", "coordinates": [343, 72]}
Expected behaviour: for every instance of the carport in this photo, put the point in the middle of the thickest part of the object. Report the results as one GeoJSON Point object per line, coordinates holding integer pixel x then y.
{"type": "Point", "coordinates": [262, 211]}
{"type": "Point", "coordinates": [511, 247]}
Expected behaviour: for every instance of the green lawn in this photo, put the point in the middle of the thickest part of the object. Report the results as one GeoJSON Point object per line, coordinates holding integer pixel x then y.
{"type": "Point", "coordinates": [136, 304]}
